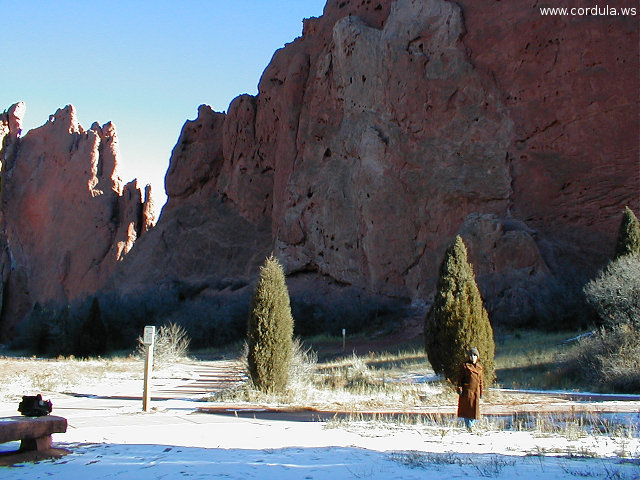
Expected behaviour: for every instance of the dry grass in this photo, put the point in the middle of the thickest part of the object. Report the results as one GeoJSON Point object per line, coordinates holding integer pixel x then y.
{"type": "Point", "coordinates": [385, 382]}
{"type": "Point", "coordinates": [533, 360]}
{"type": "Point", "coordinates": [482, 467]}
{"type": "Point", "coordinates": [28, 376]}
{"type": "Point", "coordinates": [377, 381]}
{"type": "Point", "coordinates": [404, 379]}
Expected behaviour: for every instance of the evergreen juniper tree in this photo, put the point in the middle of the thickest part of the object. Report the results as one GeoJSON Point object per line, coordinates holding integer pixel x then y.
{"type": "Point", "coordinates": [628, 235]}
{"type": "Point", "coordinates": [457, 319]}
{"type": "Point", "coordinates": [270, 333]}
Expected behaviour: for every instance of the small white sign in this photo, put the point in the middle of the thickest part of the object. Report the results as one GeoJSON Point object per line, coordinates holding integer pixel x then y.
{"type": "Point", "coordinates": [149, 334]}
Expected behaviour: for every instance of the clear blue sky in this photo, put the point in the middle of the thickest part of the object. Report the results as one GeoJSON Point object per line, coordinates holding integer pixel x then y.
{"type": "Point", "coordinates": [144, 65]}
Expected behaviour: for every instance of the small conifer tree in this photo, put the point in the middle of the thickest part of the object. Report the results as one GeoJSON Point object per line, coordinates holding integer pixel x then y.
{"type": "Point", "coordinates": [270, 335]}
{"type": "Point", "coordinates": [628, 235]}
{"type": "Point", "coordinates": [457, 320]}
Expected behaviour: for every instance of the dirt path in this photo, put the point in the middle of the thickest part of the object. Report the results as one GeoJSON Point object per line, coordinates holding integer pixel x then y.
{"type": "Point", "coordinates": [517, 407]}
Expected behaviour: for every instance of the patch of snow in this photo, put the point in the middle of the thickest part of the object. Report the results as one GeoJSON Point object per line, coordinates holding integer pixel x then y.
{"type": "Point", "coordinates": [111, 438]}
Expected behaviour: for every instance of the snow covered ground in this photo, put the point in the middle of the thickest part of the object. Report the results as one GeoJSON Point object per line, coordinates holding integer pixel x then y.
{"type": "Point", "coordinates": [111, 439]}
{"type": "Point", "coordinates": [142, 462]}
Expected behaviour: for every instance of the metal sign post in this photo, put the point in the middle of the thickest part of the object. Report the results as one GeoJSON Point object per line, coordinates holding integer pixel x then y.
{"type": "Point", "coordinates": [148, 340]}
{"type": "Point", "coordinates": [344, 339]}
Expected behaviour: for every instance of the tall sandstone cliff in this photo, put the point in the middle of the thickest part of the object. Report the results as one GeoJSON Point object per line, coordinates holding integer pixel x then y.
{"type": "Point", "coordinates": [391, 126]}
{"type": "Point", "coordinates": [66, 218]}
{"type": "Point", "coordinates": [386, 129]}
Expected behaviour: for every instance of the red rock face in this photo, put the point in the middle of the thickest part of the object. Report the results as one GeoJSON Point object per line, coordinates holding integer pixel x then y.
{"type": "Point", "coordinates": [66, 218]}
{"type": "Point", "coordinates": [380, 133]}
{"type": "Point", "coordinates": [400, 139]}
{"type": "Point", "coordinates": [570, 85]}
{"type": "Point", "coordinates": [215, 225]}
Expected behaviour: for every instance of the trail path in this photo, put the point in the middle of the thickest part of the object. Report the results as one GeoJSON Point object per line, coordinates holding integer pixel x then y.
{"type": "Point", "coordinates": [194, 380]}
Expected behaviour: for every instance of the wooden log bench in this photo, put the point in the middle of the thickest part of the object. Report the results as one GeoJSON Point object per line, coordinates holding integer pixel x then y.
{"type": "Point", "coordinates": [34, 433]}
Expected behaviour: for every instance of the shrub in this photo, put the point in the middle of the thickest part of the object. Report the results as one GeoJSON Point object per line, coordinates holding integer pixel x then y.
{"type": "Point", "coordinates": [54, 330]}
{"type": "Point", "coordinates": [171, 343]}
{"type": "Point", "coordinates": [615, 293]}
{"type": "Point", "coordinates": [216, 319]}
{"type": "Point", "coordinates": [46, 331]}
{"type": "Point", "coordinates": [303, 363]}
{"type": "Point", "coordinates": [210, 318]}
{"type": "Point", "coordinates": [91, 338]}
{"type": "Point", "coordinates": [559, 303]}
{"type": "Point", "coordinates": [270, 330]}
{"type": "Point", "coordinates": [628, 235]}
{"type": "Point", "coordinates": [609, 360]}
{"type": "Point", "coordinates": [457, 320]}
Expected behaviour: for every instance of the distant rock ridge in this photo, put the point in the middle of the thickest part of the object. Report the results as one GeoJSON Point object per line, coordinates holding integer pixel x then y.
{"type": "Point", "coordinates": [66, 217]}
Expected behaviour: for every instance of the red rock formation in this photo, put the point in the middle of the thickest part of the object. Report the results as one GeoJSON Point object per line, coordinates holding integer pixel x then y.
{"type": "Point", "coordinates": [389, 127]}
{"type": "Point", "coordinates": [390, 156]}
{"type": "Point", "coordinates": [202, 237]}
{"type": "Point", "coordinates": [66, 218]}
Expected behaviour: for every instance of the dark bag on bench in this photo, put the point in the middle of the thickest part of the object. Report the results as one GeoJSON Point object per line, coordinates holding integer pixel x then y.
{"type": "Point", "coordinates": [34, 406]}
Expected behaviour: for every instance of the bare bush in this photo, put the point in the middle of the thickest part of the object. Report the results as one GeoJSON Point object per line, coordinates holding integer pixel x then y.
{"type": "Point", "coordinates": [358, 373]}
{"type": "Point", "coordinates": [303, 365]}
{"type": "Point", "coordinates": [609, 359]}
{"type": "Point", "coordinates": [615, 293]}
{"type": "Point", "coordinates": [171, 343]}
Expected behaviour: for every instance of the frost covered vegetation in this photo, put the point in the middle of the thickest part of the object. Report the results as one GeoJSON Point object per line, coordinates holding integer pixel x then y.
{"type": "Point", "coordinates": [610, 359]}
{"type": "Point", "coordinates": [607, 360]}
{"type": "Point", "coordinates": [401, 378]}
{"type": "Point", "coordinates": [171, 344]}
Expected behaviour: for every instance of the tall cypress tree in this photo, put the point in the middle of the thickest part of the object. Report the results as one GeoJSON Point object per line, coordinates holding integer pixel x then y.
{"type": "Point", "coordinates": [270, 335]}
{"type": "Point", "coordinates": [628, 235]}
{"type": "Point", "coordinates": [457, 320]}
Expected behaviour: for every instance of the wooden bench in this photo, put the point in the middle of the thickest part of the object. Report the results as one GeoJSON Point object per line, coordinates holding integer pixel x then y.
{"type": "Point", "coordinates": [34, 433]}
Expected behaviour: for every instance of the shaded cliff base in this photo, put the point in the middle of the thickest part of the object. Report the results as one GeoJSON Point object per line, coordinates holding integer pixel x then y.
{"type": "Point", "coordinates": [215, 312]}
